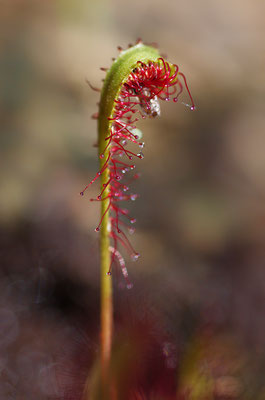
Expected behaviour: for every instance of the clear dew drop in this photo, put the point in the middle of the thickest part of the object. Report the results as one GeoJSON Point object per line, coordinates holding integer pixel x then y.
{"type": "Point", "coordinates": [192, 108]}
{"type": "Point", "coordinates": [118, 177]}
{"type": "Point", "coordinates": [133, 197]}
{"type": "Point", "coordinates": [108, 273]}
{"type": "Point", "coordinates": [135, 256]}
{"type": "Point", "coordinates": [102, 156]}
{"type": "Point", "coordinates": [140, 155]}
{"type": "Point", "coordinates": [123, 170]}
{"type": "Point", "coordinates": [130, 157]}
{"type": "Point", "coordinates": [132, 166]}
{"type": "Point", "coordinates": [133, 220]}
{"type": "Point", "coordinates": [125, 188]}
{"type": "Point", "coordinates": [141, 145]}
{"type": "Point", "coordinates": [138, 134]}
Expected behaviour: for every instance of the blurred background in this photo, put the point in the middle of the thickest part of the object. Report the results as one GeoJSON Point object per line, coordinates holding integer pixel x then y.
{"type": "Point", "coordinates": [199, 285]}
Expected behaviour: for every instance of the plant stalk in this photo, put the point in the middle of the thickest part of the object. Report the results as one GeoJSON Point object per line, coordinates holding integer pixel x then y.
{"type": "Point", "coordinates": [106, 287]}
{"type": "Point", "coordinates": [117, 74]}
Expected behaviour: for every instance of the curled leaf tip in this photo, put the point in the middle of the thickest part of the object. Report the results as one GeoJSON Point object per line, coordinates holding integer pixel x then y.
{"type": "Point", "coordinates": [134, 86]}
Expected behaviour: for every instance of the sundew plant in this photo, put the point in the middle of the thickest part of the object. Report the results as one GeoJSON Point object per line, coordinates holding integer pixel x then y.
{"type": "Point", "coordinates": [133, 87]}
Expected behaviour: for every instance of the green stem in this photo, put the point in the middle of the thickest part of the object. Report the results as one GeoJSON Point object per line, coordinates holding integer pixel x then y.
{"type": "Point", "coordinates": [116, 76]}
{"type": "Point", "coordinates": [106, 286]}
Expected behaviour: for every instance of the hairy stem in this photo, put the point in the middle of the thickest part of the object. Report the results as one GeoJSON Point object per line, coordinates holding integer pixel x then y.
{"type": "Point", "coordinates": [115, 77]}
